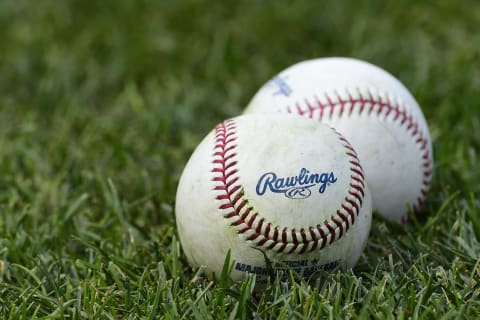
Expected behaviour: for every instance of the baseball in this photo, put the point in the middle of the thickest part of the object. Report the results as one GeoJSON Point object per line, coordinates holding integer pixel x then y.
{"type": "Point", "coordinates": [374, 111]}
{"type": "Point", "coordinates": [279, 192]}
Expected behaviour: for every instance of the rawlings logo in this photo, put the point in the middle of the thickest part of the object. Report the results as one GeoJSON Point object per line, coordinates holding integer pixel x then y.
{"type": "Point", "coordinates": [296, 187]}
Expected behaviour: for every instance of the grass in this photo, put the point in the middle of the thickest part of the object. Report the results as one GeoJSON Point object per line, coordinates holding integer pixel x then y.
{"type": "Point", "coordinates": [102, 102]}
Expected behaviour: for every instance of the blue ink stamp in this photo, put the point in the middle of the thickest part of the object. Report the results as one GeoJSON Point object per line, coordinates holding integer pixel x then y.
{"type": "Point", "coordinates": [281, 86]}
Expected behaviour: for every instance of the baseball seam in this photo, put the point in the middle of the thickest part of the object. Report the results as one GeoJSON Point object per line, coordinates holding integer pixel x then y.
{"type": "Point", "coordinates": [249, 223]}
{"type": "Point", "coordinates": [375, 104]}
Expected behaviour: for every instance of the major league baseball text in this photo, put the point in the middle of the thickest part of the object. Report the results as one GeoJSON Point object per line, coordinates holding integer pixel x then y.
{"type": "Point", "coordinates": [304, 268]}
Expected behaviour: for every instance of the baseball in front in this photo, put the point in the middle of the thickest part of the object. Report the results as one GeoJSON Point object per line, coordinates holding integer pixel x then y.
{"type": "Point", "coordinates": [374, 111]}
{"type": "Point", "coordinates": [280, 192]}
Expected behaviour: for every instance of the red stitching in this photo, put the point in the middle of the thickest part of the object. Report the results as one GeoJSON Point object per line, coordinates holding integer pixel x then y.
{"type": "Point", "coordinates": [255, 228]}
{"type": "Point", "coordinates": [332, 232]}
{"type": "Point", "coordinates": [350, 212]}
{"type": "Point", "coordinates": [262, 241]}
{"type": "Point", "coordinates": [344, 219]}
{"type": "Point", "coordinates": [294, 241]}
{"type": "Point", "coordinates": [322, 235]}
{"type": "Point", "coordinates": [339, 225]}
{"type": "Point", "coordinates": [393, 110]}
{"type": "Point", "coordinates": [246, 213]}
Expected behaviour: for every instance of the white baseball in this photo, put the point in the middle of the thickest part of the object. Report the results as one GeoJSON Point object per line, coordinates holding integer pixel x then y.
{"type": "Point", "coordinates": [374, 111]}
{"type": "Point", "coordinates": [277, 188]}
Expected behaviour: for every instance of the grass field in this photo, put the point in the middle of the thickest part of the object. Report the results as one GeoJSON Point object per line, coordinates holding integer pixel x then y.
{"type": "Point", "coordinates": [102, 103]}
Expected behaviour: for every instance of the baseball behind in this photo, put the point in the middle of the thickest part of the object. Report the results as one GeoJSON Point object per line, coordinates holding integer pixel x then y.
{"type": "Point", "coordinates": [374, 111]}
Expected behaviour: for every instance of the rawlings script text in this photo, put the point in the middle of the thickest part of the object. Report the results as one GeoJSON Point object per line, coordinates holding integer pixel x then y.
{"type": "Point", "coordinates": [296, 187]}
